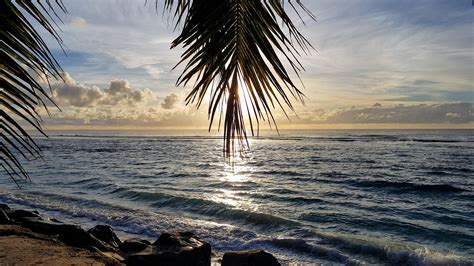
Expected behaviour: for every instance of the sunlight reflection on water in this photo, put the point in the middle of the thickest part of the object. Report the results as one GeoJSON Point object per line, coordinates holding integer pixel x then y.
{"type": "Point", "coordinates": [238, 171]}
{"type": "Point", "coordinates": [234, 176]}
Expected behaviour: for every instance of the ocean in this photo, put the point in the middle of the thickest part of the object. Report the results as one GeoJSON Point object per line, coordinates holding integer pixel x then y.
{"type": "Point", "coordinates": [402, 197]}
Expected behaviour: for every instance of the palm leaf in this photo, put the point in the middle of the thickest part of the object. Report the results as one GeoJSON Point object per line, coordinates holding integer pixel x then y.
{"type": "Point", "coordinates": [23, 57]}
{"type": "Point", "coordinates": [233, 51]}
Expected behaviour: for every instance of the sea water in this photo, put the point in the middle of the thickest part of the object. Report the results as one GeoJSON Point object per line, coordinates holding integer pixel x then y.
{"type": "Point", "coordinates": [348, 197]}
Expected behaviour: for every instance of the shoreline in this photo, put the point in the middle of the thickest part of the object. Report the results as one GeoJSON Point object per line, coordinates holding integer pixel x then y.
{"type": "Point", "coordinates": [26, 237]}
{"type": "Point", "coordinates": [393, 252]}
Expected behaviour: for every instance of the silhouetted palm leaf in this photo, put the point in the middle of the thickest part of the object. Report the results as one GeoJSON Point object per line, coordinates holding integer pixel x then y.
{"type": "Point", "coordinates": [23, 56]}
{"type": "Point", "coordinates": [233, 51]}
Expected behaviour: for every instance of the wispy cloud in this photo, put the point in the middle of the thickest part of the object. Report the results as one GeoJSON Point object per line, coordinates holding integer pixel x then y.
{"type": "Point", "coordinates": [78, 22]}
{"type": "Point", "coordinates": [368, 48]}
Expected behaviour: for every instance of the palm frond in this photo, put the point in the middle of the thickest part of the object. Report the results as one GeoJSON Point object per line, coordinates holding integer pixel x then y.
{"type": "Point", "coordinates": [233, 52]}
{"type": "Point", "coordinates": [23, 56]}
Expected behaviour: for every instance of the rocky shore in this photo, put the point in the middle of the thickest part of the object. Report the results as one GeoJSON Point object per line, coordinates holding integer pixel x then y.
{"type": "Point", "coordinates": [26, 237]}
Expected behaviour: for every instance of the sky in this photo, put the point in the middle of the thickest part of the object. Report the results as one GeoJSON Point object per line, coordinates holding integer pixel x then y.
{"type": "Point", "coordinates": [376, 64]}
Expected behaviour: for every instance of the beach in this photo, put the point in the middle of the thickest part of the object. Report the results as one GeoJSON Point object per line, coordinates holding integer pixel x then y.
{"type": "Point", "coordinates": [22, 247]}
{"type": "Point", "coordinates": [27, 238]}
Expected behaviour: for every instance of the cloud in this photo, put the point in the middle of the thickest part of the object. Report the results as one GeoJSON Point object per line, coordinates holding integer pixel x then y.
{"type": "Point", "coordinates": [437, 96]}
{"type": "Point", "coordinates": [170, 101]}
{"type": "Point", "coordinates": [118, 105]}
{"type": "Point", "coordinates": [78, 22]}
{"type": "Point", "coordinates": [73, 94]}
{"type": "Point", "coordinates": [365, 48]}
{"type": "Point", "coordinates": [455, 113]}
{"type": "Point", "coordinates": [121, 105]}
{"type": "Point", "coordinates": [154, 70]}
{"type": "Point", "coordinates": [109, 117]}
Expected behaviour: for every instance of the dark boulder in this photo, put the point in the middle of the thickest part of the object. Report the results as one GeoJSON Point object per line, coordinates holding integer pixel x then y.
{"type": "Point", "coordinates": [70, 234]}
{"type": "Point", "coordinates": [106, 234]}
{"type": "Point", "coordinates": [74, 235]}
{"type": "Point", "coordinates": [134, 245]}
{"type": "Point", "coordinates": [184, 245]}
{"type": "Point", "coordinates": [249, 258]}
{"type": "Point", "coordinates": [151, 255]}
{"type": "Point", "coordinates": [174, 248]}
{"type": "Point", "coordinates": [20, 215]}
{"type": "Point", "coordinates": [38, 225]}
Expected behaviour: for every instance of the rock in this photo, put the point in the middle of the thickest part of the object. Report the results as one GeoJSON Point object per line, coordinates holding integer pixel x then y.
{"type": "Point", "coordinates": [186, 246]}
{"type": "Point", "coordinates": [249, 258]}
{"type": "Point", "coordinates": [38, 225]}
{"type": "Point", "coordinates": [74, 235]}
{"type": "Point", "coordinates": [106, 234]}
{"type": "Point", "coordinates": [174, 248]}
{"type": "Point", "coordinates": [4, 219]}
{"type": "Point", "coordinates": [151, 255]}
{"type": "Point", "coordinates": [20, 231]}
{"type": "Point", "coordinates": [134, 245]}
{"type": "Point", "coordinates": [70, 234]}
{"type": "Point", "coordinates": [4, 206]}
{"type": "Point", "coordinates": [20, 215]}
